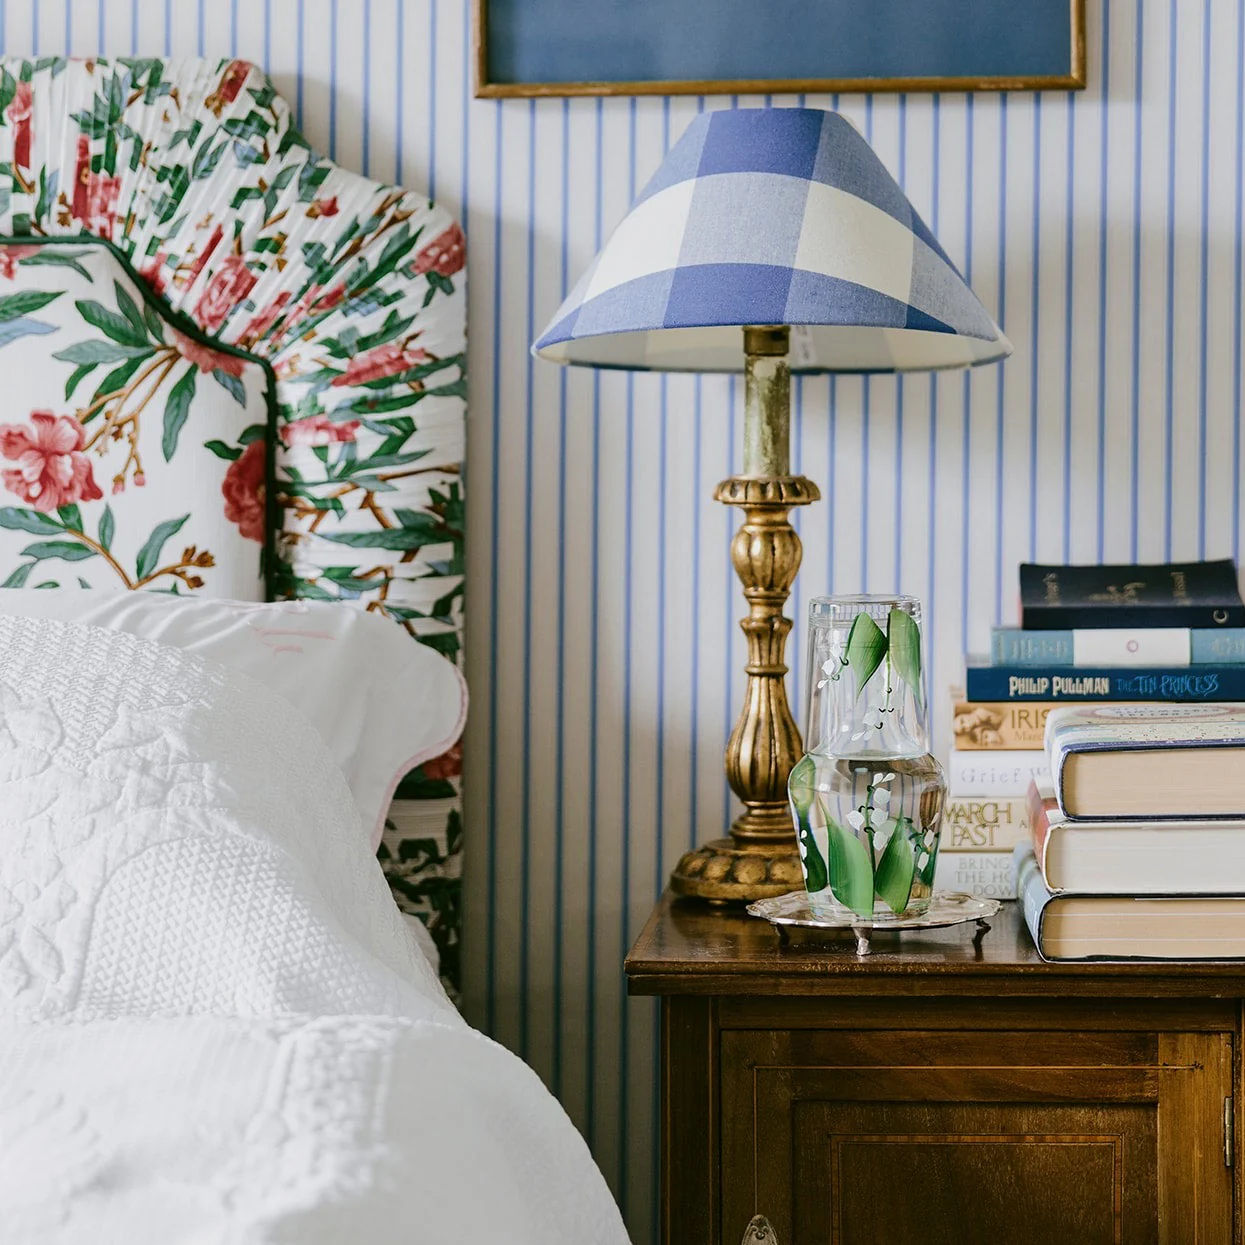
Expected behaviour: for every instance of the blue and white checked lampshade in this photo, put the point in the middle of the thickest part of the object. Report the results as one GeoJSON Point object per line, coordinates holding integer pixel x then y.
{"type": "Point", "coordinates": [772, 216]}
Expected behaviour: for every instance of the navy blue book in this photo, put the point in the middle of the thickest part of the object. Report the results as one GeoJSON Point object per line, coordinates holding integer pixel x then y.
{"type": "Point", "coordinates": [1175, 594]}
{"type": "Point", "coordinates": [1052, 684]}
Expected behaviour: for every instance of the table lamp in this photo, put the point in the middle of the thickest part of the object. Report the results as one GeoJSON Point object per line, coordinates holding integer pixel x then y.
{"type": "Point", "coordinates": [770, 240]}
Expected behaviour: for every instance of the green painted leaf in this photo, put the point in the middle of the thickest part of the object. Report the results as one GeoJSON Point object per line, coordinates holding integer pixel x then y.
{"type": "Point", "coordinates": [76, 377]}
{"type": "Point", "coordinates": [851, 871]}
{"type": "Point", "coordinates": [24, 302]}
{"type": "Point", "coordinates": [231, 384]}
{"type": "Point", "coordinates": [801, 789]}
{"type": "Point", "coordinates": [866, 646]}
{"type": "Point", "coordinates": [149, 554]}
{"type": "Point", "coordinates": [70, 516]}
{"type": "Point", "coordinates": [107, 527]}
{"type": "Point", "coordinates": [129, 309]}
{"type": "Point", "coordinates": [51, 255]}
{"type": "Point", "coordinates": [66, 550]}
{"type": "Point", "coordinates": [109, 322]}
{"type": "Point", "coordinates": [895, 869]}
{"type": "Point", "coordinates": [175, 412]}
{"type": "Point", "coordinates": [18, 520]}
{"type": "Point", "coordinates": [221, 450]}
{"type": "Point", "coordinates": [905, 645]}
{"type": "Point", "coordinates": [100, 352]}
{"type": "Point", "coordinates": [403, 538]}
{"type": "Point", "coordinates": [19, 575]}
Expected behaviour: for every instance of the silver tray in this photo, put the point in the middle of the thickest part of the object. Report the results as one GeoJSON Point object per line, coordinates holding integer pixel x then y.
{"type": "Point", "coordinates": [792, 911]}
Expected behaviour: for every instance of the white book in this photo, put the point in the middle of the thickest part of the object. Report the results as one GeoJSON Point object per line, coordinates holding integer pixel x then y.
{"type": "Point", "coordinates": [987, 874]}
{"type": "Point", "coordinates": [1001, 772]}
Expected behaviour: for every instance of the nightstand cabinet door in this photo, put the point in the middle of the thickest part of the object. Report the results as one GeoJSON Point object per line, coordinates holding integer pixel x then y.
{"type": "Point", "coordinates": [862, 1136]}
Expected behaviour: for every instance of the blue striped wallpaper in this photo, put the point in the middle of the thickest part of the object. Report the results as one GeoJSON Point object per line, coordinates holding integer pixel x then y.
{"type": "Point", "coordinates": [1104, 231]}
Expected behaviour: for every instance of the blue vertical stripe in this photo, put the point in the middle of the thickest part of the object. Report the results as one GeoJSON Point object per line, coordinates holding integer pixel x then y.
{"type": "Point", "coordinates": [1035, 313]}
{"type": "Point", "coordinates": [529, 721]}
{"type": "Point", "coordinates": [1104, 178]}
{"type": "Point", "coordinates": [495, 567]}
{"type": "Point", "coordinates": [1169, 376]}
{"type": "Point", "coordinates": [1238, 211]}
{"type": "Point", "coordinates": [559, 751]}
{"type": "Point", "coordinates": [1069, 319]}
{"type": "Point", "coordinates": [1138, 147]}
{"type": "Point", "coordinates": [1204, 288]}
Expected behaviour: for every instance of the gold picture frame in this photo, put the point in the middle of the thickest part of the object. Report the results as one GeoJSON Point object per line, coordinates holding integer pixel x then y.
{"type": "Point", "coordinates": [1075, 79]}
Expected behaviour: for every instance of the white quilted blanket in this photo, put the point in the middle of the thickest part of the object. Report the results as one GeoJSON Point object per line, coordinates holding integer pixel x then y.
{"type": "Point", "coordinates": [213, 1024]}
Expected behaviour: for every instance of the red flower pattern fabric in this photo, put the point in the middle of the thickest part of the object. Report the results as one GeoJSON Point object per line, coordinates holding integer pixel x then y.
{"type": "Point", "coordinates": [244, 491]}
{"type": "Point", "coordinates": [445, 255]}
{"type": "Point", "coordinates": [319, 430]}
{"type": "Point", "coordinates": [52, 471]}
{"type": "Point", "coordinates": [230, 284]}
{"type": "Point", "coordinates": [19, 114]}
{"type": "Point", "coordinates": [381, 363]}
{"type": "Point", "coordinates": [94, 194]}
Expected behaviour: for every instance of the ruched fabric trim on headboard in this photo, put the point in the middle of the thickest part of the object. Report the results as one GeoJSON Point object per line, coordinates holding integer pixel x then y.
{"type": "Point", "coordinates": [352, 291]}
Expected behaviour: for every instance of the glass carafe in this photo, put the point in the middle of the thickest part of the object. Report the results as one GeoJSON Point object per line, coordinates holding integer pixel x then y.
{"type": "Point", "coordinates": [867, 797]}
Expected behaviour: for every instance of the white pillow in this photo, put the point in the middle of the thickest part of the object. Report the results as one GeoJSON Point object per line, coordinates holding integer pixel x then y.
{"type": "Point", "coordinates": [383, 702]}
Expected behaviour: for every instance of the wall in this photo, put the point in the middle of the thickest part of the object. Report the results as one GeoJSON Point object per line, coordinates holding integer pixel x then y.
{"type": "Point", "coordinates": [1102, 228]}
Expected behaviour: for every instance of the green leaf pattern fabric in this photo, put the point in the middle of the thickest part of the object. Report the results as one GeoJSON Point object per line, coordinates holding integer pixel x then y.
{"type": "Point", "coordinates": [350, 291]}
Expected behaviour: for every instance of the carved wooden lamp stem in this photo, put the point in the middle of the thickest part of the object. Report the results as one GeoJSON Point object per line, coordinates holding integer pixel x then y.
{"type": "Point", "coordinates": [760, 858]}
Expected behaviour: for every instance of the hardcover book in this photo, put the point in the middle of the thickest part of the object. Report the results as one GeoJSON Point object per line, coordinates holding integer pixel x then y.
{"type": "Point", "coordinates": [986, 726]}
{"type": "Point", "coordinates": [1117, 646]}
{"type": "Point", "coordinates": [1118, 927]}
{"type": "Point", "coordinates": [1195, 857]}
{"type": "Point", "coordinates": [1071, 683]}
{"type": "Point", "coordinates": [1000, 772]}
{"type": "Point", "coordinates": [984, 824]}
{"type": "Point", "coordinates": [1184, 594]}
{"type": "Point", "coordinates": [1148, 761]}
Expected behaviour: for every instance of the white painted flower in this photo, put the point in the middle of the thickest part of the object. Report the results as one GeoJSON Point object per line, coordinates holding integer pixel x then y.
{"type": "Point", "coordinates": [856, 819]}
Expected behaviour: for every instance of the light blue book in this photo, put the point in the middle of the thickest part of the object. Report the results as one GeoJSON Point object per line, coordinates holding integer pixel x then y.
{"type": "Point", "coordinates": [1118, 646]}
{"type": "Point", "coordinates": [1067, 927]}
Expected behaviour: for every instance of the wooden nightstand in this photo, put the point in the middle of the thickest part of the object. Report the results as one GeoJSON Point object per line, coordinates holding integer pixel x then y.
{"type": "Point", "coordinates": [954, 1092]}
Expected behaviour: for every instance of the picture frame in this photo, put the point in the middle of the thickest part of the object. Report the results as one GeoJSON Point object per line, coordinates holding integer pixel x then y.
{"type": "Point", "coordinates": [516, 39]}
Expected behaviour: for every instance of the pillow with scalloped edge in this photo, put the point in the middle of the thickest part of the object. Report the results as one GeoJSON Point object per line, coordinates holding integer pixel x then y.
{"type": "Point", "coordinates": [134, 452]}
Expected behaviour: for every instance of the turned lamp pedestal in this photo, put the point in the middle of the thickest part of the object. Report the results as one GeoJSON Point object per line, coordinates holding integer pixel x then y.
{"type": "Point", "coordinates": [760, 858]}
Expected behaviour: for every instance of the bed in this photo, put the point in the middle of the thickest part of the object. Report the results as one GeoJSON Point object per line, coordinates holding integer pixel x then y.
{"type": "Point", "coordinates": [233, 413]}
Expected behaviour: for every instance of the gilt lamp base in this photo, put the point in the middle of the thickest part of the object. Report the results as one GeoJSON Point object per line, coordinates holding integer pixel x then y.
{"type": "Point", "coordinates": [724, 872]}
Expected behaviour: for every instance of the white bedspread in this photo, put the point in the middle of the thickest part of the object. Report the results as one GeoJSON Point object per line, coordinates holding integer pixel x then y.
{"type": "Point", "coordinates": [214, 1026]}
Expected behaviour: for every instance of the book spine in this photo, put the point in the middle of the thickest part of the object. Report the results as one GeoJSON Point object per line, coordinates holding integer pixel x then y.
{"type": "Point", "coordinates": [992, 726]}
{"type": "Point", "coordinates": [1118, 646]}
{"type": "Point", "coordinates": [1011, 646]}
{"type": "Point", "coordinates": [987, 874]}
{"type": "Point", "coordinates": [984, 824]}
{"type": "Point", "coordinates": [1226, 644]}
{"type": "Point", "coordinates": [1000, 772]}
{"type": "Point", "coordinates": [1039, 808]}
{"type": "Point", "coordinates": [1071, 684]}
{"type": "Point", "coordinates": [1030, 890]}
{"type": "Point", "coordinates": [1075, 617]}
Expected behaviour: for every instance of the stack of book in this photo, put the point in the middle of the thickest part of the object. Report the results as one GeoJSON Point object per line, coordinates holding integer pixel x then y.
{"type": "Point", "coordinates": [1107, 635]}
{"type": "Point", "coordinates": [1138, 847]}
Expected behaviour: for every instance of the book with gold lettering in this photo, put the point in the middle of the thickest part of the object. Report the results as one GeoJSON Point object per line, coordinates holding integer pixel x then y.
{"type": "Point", "coordinates": [984, 823]}
{"type": "Point", "coordinates": [1184, 594]}
{"type": "Point", "coordinates": [998, 725]}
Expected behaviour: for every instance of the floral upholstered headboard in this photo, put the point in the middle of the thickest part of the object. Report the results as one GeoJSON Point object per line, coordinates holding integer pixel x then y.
{"type": "Point", "coordinates": [350, 295]}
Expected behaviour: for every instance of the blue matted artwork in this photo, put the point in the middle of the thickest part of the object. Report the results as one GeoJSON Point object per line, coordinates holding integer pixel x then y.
{"type": "Point", "coordinates": [570, 47]}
